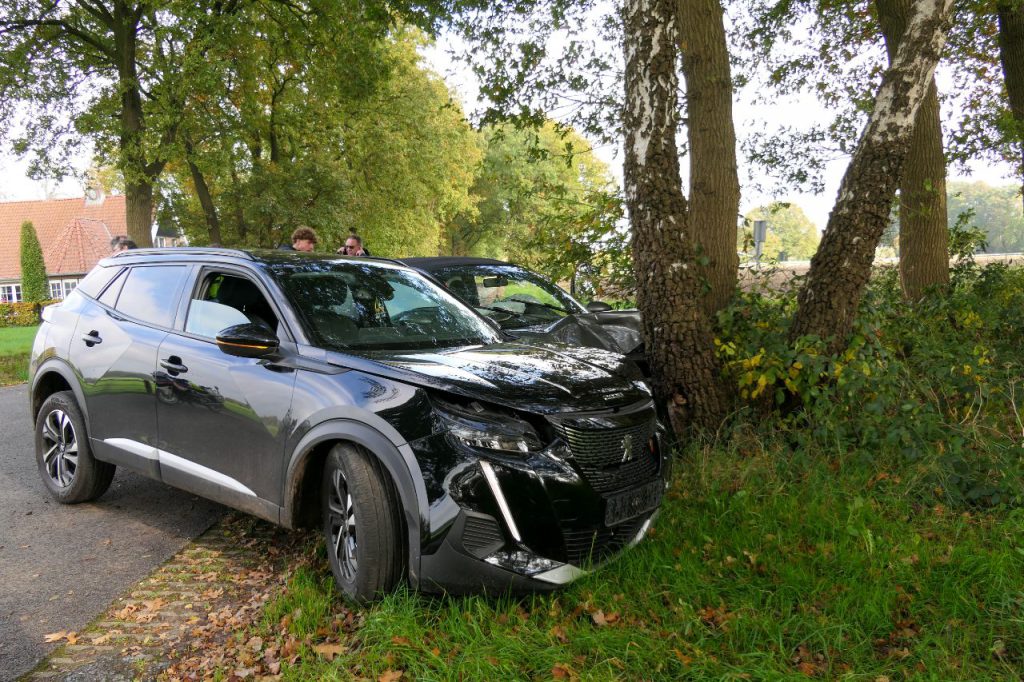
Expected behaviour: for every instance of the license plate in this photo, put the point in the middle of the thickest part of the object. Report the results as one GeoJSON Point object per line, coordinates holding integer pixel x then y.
{"type": "Point", "coordinates": [633, 503]}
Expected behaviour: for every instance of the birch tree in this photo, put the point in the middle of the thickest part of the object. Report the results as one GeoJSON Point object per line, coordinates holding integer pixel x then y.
{"type": "Point", "coordinates": [841, 267]}
{"type": "Point", "coordinates": [677, 332]}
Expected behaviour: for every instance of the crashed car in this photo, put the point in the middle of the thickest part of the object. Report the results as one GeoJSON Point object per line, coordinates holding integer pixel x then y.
{"type": "Point", "coordinates": [356, 395]}
{"type": "Point", "coordinates": [531, 307]}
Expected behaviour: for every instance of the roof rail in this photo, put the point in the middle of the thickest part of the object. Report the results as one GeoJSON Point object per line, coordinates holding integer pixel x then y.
{"type": "Point", "coordinates": [191, 250]}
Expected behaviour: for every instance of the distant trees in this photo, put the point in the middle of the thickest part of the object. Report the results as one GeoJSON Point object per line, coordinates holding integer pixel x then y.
{"type": "Point", "coordinates": [35, 287]}
{"type": "Point", "coordinates": [791, 234]}
{"type": "Point", "coordinates": [996, 211]}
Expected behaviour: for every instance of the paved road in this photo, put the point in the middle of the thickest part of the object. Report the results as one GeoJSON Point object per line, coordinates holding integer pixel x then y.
{"type": "Point", "coordinates": [60, 566]}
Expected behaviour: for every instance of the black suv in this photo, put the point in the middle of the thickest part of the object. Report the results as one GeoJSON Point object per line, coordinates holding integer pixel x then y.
{"type": "Point", "coordinates": [354, 394]}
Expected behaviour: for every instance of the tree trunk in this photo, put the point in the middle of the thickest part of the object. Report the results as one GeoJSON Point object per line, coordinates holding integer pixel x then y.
{"type": "Point", "coordinates": [714, 182]}
{"type": "Point", "coordinates": [924, 231]}
{"type": "Point", "coordinates": [840, 268]}
{"type": "Point", "coordinates": [138, 179]}
{"type": "Point", "coordinates": [138, 199]}
{"type": "Point", "coordinates": [1011, 54]}
{"type": "Point", "coordinates": [205, 198]}
{"type": "Point", "coordinates": [678, 338]}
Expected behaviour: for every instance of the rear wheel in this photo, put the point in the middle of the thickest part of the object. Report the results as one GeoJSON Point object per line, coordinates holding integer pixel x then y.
{"type": "Point", "coordinates": [66, 464]}
{"type": "Point", "coordinates": [361, 524]}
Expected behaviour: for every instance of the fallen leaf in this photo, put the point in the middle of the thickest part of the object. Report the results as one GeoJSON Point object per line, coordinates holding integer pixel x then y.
{"type": "Point", "coordinates": [329, 651]}
{"type": "Point", "coordinates": [255, 643]}
{"type": "Point", "coordinates": [390, 676]}
{"type": "Point", "coordinates": [558, 632]}
{"type": "Point", "coordinates": [562, 672]}
{"type": "Point", "coordinates": [102, 639]}
{"type": "Point", "coordinates": [72, 638]}
{"type": "Point", "coordinates": [598, 618]}
{"type": "Point", "coordinates": [401, 641]}
{"type": "Point", "coordinates": [55, 636]}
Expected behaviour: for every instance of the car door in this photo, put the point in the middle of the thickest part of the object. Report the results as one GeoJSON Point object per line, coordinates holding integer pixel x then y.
{"type": "Point", "coordinates": [222, 419]}
{"type": "Point", "coordinates": [115, 350]}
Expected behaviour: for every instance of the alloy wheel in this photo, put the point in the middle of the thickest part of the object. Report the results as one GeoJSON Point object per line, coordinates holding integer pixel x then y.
{"type": "Point", "coordinates": [343, 525]}
{"type": "Point", "coordinates": [61, 443]}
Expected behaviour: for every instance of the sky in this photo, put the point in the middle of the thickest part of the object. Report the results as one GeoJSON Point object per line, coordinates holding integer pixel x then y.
{"type": "Point", "coordinates": [16, 185]}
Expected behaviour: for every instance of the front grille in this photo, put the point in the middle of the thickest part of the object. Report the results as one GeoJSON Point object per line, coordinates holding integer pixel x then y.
{"type": "Point", "coordinates": [599, 453]}
{"type": "Point", "coordinates": [481, 535]}
{"type": "Point", "coordinates": [584, 547]}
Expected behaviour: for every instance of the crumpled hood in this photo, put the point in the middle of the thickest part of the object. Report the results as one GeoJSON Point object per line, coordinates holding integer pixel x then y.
{"type": "Point", "coordinates": [542, 379]}
{"type": "Point", "coordinates": [617, 331]}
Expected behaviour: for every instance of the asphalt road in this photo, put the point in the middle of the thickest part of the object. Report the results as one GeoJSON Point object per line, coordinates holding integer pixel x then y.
{"type": "Point", "coordinates": [61, 566]}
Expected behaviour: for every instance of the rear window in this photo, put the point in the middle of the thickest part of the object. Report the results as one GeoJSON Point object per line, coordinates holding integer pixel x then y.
{"type": "Point", "coordinates": [96, 280]}
{"type": "Point", "coordinates": [150, 294]}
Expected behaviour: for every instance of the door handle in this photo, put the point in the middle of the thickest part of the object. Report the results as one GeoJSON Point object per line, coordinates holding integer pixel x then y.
{"type": "Point", "coordinates": [92, 338]}
{"type": "Point", "coordinates": [173, 365]}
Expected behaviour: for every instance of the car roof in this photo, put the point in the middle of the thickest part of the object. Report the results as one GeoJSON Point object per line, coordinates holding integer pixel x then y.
{"type": "Point", "coordinates": [256, 256]}
{"type": "Point", "coordinates": [435, 263]}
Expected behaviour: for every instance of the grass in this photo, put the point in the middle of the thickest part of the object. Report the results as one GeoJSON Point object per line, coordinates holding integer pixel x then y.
{"type": "Point", "coordinates": [763, 566]}
{"type": "Point", "coordinates": [15, 346]}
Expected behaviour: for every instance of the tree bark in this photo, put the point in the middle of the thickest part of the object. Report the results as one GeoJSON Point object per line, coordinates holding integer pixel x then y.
{"type": "Point", "coordinates": [924, 230]}
{"type": "Point", "coordinates": [205, 198]}
{"type": "Point", "coordinates": [840, 269]}
{"type": "Point", "coordinates": [138, 179]}
{"type": "Point", "coordinates": [678, 337]}
{"type": "Point", "coordinates": [714, 180]}
{"type": "Point", "coordinates": [1010, 14]}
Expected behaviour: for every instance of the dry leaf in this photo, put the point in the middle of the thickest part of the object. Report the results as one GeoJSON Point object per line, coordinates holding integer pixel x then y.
{"type": "Point", "coordinates": [390, 676]}
{"type": "Point", "coordinates": [598, 618]}
{"type": "Point", "coordinates": [401, 641]}
{"type": "Point", "coordinates": [558, 632]}
{"type": "Point", "coordinates": [329, 651]}
{"type": "Point", "coordinates": [72, 638]}
{"type": "Point", "coordinates": [255, 643]}
{"type": "Point", "coordinates": [55, 636]}
{"type": "Point", "coordinates": [562, 672]}
{"type": "Point", "coordinates": [102, 639]}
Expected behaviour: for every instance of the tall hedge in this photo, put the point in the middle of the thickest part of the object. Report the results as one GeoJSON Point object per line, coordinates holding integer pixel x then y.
{"type": "Point", "coordinates": [34, 286]}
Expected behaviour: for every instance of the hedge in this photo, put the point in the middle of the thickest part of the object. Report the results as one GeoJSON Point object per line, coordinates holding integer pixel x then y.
{"type": "Point", "coordinates": [21, 314]}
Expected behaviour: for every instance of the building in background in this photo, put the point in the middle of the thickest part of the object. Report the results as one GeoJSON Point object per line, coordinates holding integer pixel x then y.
{"type": "Point", "coordinates": [73, 233]}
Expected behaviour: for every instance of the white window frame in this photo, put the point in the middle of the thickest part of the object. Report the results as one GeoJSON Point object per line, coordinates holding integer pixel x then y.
{"type": "Point", "coordinates": [10, 293]}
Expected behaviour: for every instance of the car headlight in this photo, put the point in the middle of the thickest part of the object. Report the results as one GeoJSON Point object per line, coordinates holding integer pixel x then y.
{"type": "Point", "coordinates": [478, 427]}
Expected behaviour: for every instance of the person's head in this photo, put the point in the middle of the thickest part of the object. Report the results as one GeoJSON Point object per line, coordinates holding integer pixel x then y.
{"type": "Point", "coordinates": [121, 243]}
{"type": "Point", "coordinates": [304, 239]}
{"type": "Point", "coordinates": [353, 246]}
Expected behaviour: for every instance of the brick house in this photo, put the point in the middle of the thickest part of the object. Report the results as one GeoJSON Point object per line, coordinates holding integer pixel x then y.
{"type": "Point", "coordinates": [73, 233]}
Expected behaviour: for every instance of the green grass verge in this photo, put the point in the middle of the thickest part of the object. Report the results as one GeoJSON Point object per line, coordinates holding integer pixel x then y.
{"type": "Point", "coordinates": [16, 340]}
{"type": "Point", "coordinates": [15, 346]}
{"type": "Point", "coordinates": [766, 567]}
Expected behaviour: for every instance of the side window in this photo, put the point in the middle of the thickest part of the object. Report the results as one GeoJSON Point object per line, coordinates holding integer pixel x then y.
{"type": "Point", "coordinates": [224, 300]}
{"type": "Point", "coordinates": [150, 294]}
{"type": "Point", "coordinates": [93, 283]}
{"type": "Point", "coordinates": [109, 297]}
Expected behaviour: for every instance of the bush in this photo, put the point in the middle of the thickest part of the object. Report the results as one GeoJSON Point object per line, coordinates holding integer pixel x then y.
{"type": "Point", "coordinates": [34, 285]}
{"type": "Point", "coordinates": [930, 388]}
{"type": "Point", "coordinates": [21, 314]}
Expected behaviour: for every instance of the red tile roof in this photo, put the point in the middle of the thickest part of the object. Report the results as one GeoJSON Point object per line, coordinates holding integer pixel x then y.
{"type": "Point", "coordinates": [74, 235]}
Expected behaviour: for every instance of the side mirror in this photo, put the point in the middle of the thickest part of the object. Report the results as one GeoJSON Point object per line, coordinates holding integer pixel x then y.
{"type": "Point", "coordinates": [598, 307]}
{"type": "Point", "coordinates": [247, 341]}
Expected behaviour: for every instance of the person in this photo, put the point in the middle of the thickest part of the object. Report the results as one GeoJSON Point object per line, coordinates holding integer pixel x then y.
{"type": "Point", "coordinates": [354, 246]}
{"type": "Point", "coordinates": [303, 239]}
{"type": "Point", "coordinates": [122, 243]}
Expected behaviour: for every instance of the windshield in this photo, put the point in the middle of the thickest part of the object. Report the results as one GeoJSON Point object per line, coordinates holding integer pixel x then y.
{"type": "Point", "coordinates": [370, 306]}
{"type": "Point", "coordinates": [509, 294]}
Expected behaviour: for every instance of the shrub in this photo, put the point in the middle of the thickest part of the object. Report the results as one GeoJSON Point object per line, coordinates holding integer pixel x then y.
{"type": "Point", "coordinates": [34, 285]}
{"type": "Point", "coordinates": [23, 314]}
{"type": "Point", "coordinates": [930, 387]}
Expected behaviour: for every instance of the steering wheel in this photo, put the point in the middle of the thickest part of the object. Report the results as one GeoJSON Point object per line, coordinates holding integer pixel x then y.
{"type": "Point", "coordinates": [425, 315]}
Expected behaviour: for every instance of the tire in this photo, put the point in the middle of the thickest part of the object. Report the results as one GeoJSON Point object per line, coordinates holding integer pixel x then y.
{"type": "Point", "coordinates": [361, 524]}
{"type": "Point", "coordinates": [66, 465]}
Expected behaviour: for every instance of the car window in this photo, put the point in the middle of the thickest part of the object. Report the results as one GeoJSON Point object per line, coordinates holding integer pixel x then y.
{"type": "Point", "coordinates": [109, 296]}
{"type": "Point", "coordinates": [224, 300]}
{"type": "Point", "coordinates": [94, 282]}
{"type": "Point", "coordinates": [208, 318]}
{"type": "Point", "coordinates": [512, 296]}
{"type": "Point", "coordinates": [150, 294]}
{"type": "Point", "coordinates": [368, 306]}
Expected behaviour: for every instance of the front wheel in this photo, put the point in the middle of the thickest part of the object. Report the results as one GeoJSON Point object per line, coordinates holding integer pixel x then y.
{"type": "Point", "coordinates": [66, 464]}
{"type": "Point", "coordinates": [361, 524]}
